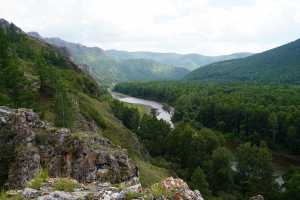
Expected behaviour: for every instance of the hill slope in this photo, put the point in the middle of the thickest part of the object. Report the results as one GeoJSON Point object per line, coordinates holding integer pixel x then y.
{"type": "Point", "coordinates": [187, 61]}
{"type": "Point", "coordinates": [107, 69]}
{"type": "Point", "coordinates": [34, 74]}
{"type": "Point", "coordinates": [279, 65]}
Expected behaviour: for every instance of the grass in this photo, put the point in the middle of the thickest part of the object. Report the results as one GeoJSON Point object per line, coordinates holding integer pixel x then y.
{"type": "Point", "coordinates": [38, 180]}
{"type": "Point", "coordinates": [133, 195]}
{"type": "Point", "coordinates": [5, 196]}
{"type": "Point", "coordinates": [150, 174]}
{"type": "Point", "coordinates": [65, 184]}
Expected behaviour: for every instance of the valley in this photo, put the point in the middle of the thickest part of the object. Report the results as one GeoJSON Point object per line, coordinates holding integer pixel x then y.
{"type": "Point", "coordinates": [84, 123]}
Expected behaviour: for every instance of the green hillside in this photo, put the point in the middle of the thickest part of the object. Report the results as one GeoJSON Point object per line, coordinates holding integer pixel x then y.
{"type": "Point", "coordinates": [34, 74]}
{"type": "Point", "coordinates": [107, 69]}
{"type": "Point", "coordinates": [279, 65]}
{"type": "Point", "coordinates": [187, 61]}
{"type": "Point", "coordinates": [141, 69]}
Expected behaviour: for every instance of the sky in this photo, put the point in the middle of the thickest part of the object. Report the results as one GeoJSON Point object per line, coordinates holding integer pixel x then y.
{"type": "Point", "coordinates": [209, 27]}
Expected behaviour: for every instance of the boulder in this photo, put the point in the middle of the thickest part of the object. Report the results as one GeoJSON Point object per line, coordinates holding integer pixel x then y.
{"type": "Point", "coordinates": [180, 189]}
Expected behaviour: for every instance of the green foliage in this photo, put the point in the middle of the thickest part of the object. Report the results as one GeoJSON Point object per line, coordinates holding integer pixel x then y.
{"type": "Point", "coordinates": [91, 113]}
{"type": "Point", "coordinates": [292, 185]}
{"type": "Point", "coordinates": [255, 172]}
{"type": "Point", "coordinates": [3, 195]}
{"type": "Point", "coordinates": [250, 112]}
{"type": "Point", "coordinates": [153, 133]}
{"type": "Point", "coordinates": [38, 181]}
{"type": "Point", "coordinates": [158, 191]}
{"type": "Point", "coordinates": [198, 182]}
{"type": "Point", "coordinates": [220, 170]}
{"type": "Point", "coordinates": [243, 113]}
{"type": "Point", "coordinates": [133, 195]}
{"type": "Point", "coordinates": [129, 116]}
{"type": "Point", "coordinates": [63, 107]}
{"type": "Point", "coordinates": [279, 65]}
{"type": "Point", "coordinates": [7, 154]}
{"type": "Point", "coordinates": [107, 69]}
{"type": "Point", "coordinates": [36, 75]}
{"type": "Point", "coordinates": [65, 184]}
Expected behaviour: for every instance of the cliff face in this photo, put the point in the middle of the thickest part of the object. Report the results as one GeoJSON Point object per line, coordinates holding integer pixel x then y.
{"type": "Point", "coordinates": [33, 144]}
{"type": "Point", "coordinates": [79, 165]}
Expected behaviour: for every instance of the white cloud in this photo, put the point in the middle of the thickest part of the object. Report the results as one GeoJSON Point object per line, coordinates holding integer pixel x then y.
{"type": "Point", "coordinates": [202, 26]}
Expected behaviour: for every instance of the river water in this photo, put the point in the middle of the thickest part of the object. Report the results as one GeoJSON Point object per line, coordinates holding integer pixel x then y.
{"type": "Point", "coordinates": [161, 112]}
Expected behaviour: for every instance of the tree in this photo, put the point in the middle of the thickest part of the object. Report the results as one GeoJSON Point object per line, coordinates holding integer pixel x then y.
{"type": "Point", "coordinates": [154, 133]}
{"type": "Point", "coordinates": [255, 173]}
{"type": "Point", "coordinates": [198, 182]}
{"type": "Point", "coordinates": [220, 171]}
{"type": "Point", "coordinates": [63, 106]}
{"type": "Point", "coordinates": [292, 185]}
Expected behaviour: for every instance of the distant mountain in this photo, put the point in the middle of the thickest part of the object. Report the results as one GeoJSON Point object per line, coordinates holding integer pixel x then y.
{"type": "Point", "coordinates": [187, 61]}
{"type": "Point", "coordinates": [107, 69]}
{"type": "Point", "coordinates": [278, 65]}
{"type": "Point", "coordinates": [142, 69]}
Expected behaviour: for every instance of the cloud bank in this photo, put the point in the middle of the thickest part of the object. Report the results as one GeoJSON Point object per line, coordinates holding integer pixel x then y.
{"type": "Point", "coordinates": [210, 27]}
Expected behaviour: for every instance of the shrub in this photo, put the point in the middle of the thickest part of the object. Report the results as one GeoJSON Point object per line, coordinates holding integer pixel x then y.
{"type": "Point", "coordinates": [3, 195]}
{"type": "Point", "coordinates": [39, 179]}
{"type": "Point", "coordinates": [158, 190]}
{"type": "Point", "coordinates": [133, 195]}
{"type": "Point", "coordinates": [65, 184]}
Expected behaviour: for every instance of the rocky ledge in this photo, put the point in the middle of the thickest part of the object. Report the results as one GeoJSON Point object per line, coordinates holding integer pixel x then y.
{"type": "Point", "coordinates": [168, 189]}
{"type": "Point", "coordinates": [42, 162]}
{"type": "Point", "coordinates": [29, 145]}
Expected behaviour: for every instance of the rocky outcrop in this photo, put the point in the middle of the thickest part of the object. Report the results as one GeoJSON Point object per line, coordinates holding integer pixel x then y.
{"type": "Point", "coordinates": [180, 189]}
{"type": "Point", "coordinates": [95, 168]}
{"type": "Point", "coordinates": [170, 188]}
{"type": "Point", "coordinates": [257, 197]}
{"type": "Point", "coordinates": [84, 156]}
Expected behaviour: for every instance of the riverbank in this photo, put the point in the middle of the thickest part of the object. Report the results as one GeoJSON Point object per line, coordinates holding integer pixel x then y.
{"type": "Point", "coordinates": [163, 111]}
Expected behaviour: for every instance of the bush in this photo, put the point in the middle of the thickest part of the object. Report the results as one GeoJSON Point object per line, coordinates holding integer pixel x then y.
{"type": "Point", "coordinates": [38, 180]}
{"type": "Point", "coordinates": [133, 195]}
{"type": "Point", "coordinates": [3, 195]}
{"type": "Point", "coordinates": [65, 184]}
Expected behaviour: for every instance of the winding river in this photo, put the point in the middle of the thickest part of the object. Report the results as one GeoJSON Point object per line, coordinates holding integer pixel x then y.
{"type": "Point", "coordinates": [166, 115]}
{"type": "Point", "coordinates": [161, 112]}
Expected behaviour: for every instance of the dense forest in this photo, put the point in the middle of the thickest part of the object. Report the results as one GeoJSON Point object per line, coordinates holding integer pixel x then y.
{"type": "Point", "coordinates": [249, 112]}
{"type": "Point", "coordinates": [208, 118]}
{"type": "Point", "coordinates": [279, 65]}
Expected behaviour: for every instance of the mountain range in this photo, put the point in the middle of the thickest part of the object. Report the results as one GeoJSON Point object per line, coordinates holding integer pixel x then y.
{"type": "Point", "coordinates": [278, 65]}
{"type": "Point", "coordinates": [187, 61]}
{"type": "Point", "coordinates": [118, 66]}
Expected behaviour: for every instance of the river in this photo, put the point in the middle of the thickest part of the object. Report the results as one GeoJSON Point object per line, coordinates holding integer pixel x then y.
{"type": "Point", "coordinates": [161, 112]}
{"type": "Point", "coordinates": [279, 170]}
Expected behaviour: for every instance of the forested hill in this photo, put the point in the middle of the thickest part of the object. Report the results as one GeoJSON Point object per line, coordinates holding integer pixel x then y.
{"type": "Point", "coordinates": [187, 61]}
{"type": "Point", "coordinates": [36, 75]}
{"type": "Point", "coordinates": [39, 76]}
{"type": "Point", "coordinates": [279, 65]}
{"type": "Point", "coordinates": [107, 69]}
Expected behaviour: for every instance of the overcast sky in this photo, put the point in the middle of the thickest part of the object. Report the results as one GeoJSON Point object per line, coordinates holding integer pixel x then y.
{"type": "Point", "coordinates": [210, 27]}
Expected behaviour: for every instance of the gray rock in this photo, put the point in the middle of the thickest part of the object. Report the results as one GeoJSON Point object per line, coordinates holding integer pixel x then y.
{"type": "Point", "coordinates": [85, 156]}
{"type": "Point", "coordinates": [58, 195]}
{"type": "Point", "coordinates": [257, 197]}
{"type": "Point", "coordinates": [29, 193]}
